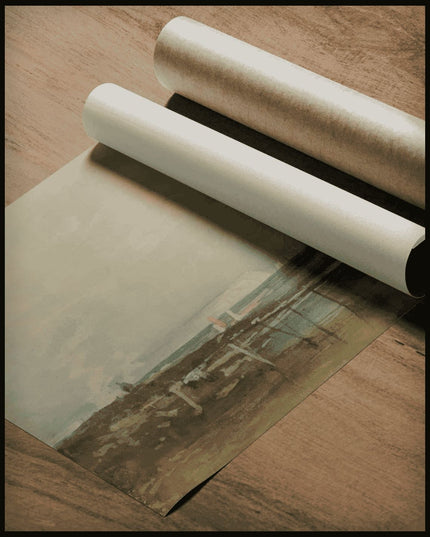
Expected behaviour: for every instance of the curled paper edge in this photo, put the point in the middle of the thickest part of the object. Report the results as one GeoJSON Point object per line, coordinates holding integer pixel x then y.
{"type": "Point", "coordinates": [340, 224]}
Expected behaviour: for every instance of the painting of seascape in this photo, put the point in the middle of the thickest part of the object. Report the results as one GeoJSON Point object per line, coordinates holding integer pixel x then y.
{"type": "Point", "coordinates": [222, 389]}
{"type": "Point", "coordinates": [152, 333]}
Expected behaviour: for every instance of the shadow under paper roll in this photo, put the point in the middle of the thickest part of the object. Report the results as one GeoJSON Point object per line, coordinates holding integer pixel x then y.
{"type": "Point", "coordinates": [347, 283]}
{"type": "Point", "coordinates": [295, 158]}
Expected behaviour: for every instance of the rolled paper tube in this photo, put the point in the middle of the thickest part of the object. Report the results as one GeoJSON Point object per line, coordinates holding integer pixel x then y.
{"type": "Point", "coordinates": [335, 124]}
{"type": "Point", "coordinates": [308, 209]}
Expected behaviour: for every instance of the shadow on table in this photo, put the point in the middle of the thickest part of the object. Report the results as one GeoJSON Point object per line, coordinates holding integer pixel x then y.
{"type": "Point", "coordinates": [295, 158]}
{"type": "Point", "coordinates": [192, 493]}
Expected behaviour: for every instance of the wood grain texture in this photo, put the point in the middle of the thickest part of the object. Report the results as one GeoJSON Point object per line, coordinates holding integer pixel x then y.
{"type": "Point", "coordinates": [351, 456]}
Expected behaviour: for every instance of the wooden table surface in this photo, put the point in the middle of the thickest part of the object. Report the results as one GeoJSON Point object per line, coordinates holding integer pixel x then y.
{"type": "Point", "coordinates": [351, 456]}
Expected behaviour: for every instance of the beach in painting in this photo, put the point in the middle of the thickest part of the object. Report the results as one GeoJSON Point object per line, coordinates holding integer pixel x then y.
{"type": "Point", "coordinates": [221, 390]}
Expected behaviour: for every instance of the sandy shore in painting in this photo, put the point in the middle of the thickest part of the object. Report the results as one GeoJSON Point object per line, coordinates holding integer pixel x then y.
{"type": "Point", "coordinates": [232, 381]}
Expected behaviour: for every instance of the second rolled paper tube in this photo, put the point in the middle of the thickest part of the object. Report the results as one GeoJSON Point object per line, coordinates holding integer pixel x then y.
{"type": "Point", "coordinates": [359, 135]}
{"type": "Point", "coordinates": [344, 226]}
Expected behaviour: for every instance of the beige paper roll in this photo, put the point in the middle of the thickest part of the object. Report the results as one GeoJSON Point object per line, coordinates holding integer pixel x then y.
{"type": "Point", "coordinates": [304, 207]}
{"type": "Point", "coordinates": [342, 127]}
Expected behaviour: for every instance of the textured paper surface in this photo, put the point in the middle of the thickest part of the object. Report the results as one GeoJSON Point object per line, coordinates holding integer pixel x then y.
{"type": "Point", "coordinates": [344, 226]}
{"type": "Point", "coordinates": [153, 333]}
{"type": "Point", "coordinates": [335, 124]}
